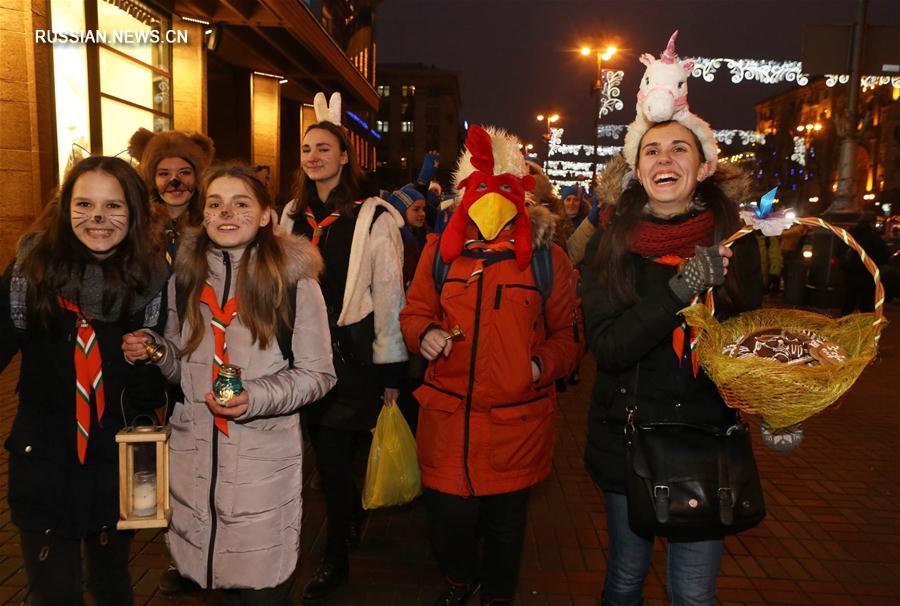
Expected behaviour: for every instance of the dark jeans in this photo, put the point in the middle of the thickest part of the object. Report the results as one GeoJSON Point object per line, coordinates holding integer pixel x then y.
{"type": "Point", "coordinates": [271, 596]}
{"type": "Point", "coordinates": [691, 566]}
{"type": "Point", "coordinates": [53, 566]}
{"type": "Point", "coordinates": [458, 524]}
{"type": "Point", "coordinates": [334, 450]}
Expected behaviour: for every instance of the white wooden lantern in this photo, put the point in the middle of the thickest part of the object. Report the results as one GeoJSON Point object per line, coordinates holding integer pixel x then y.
{"type": "Point", "coordinates": [143, 477]}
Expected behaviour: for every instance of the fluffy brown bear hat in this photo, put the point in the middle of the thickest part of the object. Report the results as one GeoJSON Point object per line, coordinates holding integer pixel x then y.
{"type": "Point", "coordinates": [150, 148]}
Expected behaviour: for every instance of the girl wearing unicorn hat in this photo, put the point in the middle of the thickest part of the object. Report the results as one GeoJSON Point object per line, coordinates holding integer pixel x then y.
{"type": "Point", "coordinates": [655, 251]}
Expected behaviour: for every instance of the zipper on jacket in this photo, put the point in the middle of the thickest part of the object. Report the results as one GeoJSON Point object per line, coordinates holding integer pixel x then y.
{"type": "Point", "coordinates": [498, 296]}
{"type": "Point", "coordinates": [214, 445]}
{"type": "Point", "coordinates": [472, 386]}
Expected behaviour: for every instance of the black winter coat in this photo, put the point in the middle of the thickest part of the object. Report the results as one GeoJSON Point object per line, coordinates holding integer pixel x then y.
{"type": "Point", "coordinates": [49, 489]}
{"type": "Point", "coordinates": [354, 403]}
{"type": "Point", "coordinates": [641, 335]}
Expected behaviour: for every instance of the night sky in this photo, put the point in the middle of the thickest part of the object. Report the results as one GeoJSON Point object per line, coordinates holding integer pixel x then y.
{"type": "Point", "coordinates": [519, 57]}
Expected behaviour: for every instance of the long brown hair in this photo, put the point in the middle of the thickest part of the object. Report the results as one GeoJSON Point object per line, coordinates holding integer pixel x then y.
{"type": "Point", "coordinates": [55, 258]}
{"type": "Point", "coordinates": [345, 193]}
{"type": "Point", "coordinates": [612, 261]}
{"type": "Point", "coordinates": [261, 285]}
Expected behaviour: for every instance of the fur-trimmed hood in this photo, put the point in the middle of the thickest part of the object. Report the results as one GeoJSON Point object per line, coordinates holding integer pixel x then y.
{"type": "Point", "coordinates": [543, 226]}
{"type": "Point", "coordinates": [304, 259]}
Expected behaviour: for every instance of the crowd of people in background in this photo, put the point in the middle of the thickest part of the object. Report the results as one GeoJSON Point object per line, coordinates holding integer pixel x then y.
{"type": "Point", "coordinates": [462, 308]}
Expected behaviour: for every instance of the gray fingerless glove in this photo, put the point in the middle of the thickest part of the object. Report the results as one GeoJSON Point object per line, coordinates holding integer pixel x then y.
{"type": "Point", "coordinates": [703, 270]}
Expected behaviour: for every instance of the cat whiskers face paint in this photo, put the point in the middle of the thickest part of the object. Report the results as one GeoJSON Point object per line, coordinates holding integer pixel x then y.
{"type": "Point", "coordinates": [232, 215]}
{"type": "Point", "coordinates": [98, 213]}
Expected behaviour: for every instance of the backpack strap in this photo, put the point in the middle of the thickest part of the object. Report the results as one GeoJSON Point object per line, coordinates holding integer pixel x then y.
{"type": "Point", "coordinates": [439, 269]}
{"type": "Point", "coordinates": [284, 333]}
{"type": "Point", "coordinates": [542, 268]}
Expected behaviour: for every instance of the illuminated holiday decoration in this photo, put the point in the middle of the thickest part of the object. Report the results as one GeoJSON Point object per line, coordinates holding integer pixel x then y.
{"type": "Point", "coordinates": [799, 155]}
{"type": "Point", "coordinates": [612, 131]}
{"type": "Point", "coordinates": [611, 89]}
{"type": "Point", "coordinates": [768, 71]}
{"type": "Point", "coordinates": [738, 158]}
{"type": "Point", "coordinates": [572, 170]}
{"type": "Point", "coordinates": [764, 71]}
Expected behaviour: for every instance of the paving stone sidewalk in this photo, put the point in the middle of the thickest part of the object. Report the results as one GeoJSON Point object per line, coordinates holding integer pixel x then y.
{"type": "Point", "coordinates": [832, 535]}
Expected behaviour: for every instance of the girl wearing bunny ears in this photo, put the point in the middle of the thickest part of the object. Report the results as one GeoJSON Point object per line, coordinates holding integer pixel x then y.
{"type": "Point", "coordinates": [363, 286]}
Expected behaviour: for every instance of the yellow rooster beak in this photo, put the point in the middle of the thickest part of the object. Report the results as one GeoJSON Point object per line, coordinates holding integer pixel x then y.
{"type": "Point", "coordinates": [490, 213]}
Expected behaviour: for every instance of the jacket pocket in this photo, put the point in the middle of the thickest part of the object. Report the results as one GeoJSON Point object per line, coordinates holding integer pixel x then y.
{"type": "Point", "coordinates": [184, 481]}
{"type": "Point", "coordinates": [522, 434]}
{"type": "Point", "coordinates": [268, 475]}
{"type": "Point", "coordinates": [439, 434]}
{"type": "Point", "coordinates": [35, 480]}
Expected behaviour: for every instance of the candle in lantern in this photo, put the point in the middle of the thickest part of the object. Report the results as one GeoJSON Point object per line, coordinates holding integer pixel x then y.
{"type": "Point", "coordinates": [144, 494]}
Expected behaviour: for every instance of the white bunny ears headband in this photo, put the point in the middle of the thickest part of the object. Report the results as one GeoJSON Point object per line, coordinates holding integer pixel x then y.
{"type": "Point", "coordinates": [328, 111]}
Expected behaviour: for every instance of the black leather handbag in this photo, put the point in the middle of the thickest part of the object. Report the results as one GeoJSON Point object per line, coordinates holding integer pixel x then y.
{"type": "Point", "coordinates": [690, 482]}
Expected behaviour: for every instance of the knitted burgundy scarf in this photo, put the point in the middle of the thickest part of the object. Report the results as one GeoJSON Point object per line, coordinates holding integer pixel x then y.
{"type": "Point", "coordinates": [654, 239]}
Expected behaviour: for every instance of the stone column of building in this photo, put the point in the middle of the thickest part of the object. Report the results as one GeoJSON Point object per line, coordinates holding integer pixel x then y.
{"type": "Point", "coordinates": [27, 166]}
{"type": "Point", "coordinates": [265, 111]}
{"type": "Point", "coordinates": [189, 80]}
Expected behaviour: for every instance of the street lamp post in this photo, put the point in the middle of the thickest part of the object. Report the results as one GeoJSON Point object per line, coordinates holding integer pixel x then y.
{"type": "Point", "coordinates": [549, 119]}
{"type": "Point", "coordinates": [602, 55]}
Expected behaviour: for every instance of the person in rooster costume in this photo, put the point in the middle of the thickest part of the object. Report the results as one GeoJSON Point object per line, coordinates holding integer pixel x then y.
{"type": "Point", "coordinates": [493, 307]}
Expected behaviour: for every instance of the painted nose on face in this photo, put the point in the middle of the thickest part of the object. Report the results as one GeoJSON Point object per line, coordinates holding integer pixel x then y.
{"type": "Point", "coordinates": [174, 183]}
{"type": "Point", "coordinates": [99, 218]}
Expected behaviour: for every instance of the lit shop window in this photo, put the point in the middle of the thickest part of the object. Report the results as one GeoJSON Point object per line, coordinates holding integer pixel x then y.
{"type": "Point", "coordinates": [408, 90]}
{"type": "Point", "coordinates": [382, 126]}
{"type": "Point", "coordinates": [106, 91]}
{"type": "Point", "coordinates": [406, 126]}
{"type": "Point", "coordinates": [384, 90]}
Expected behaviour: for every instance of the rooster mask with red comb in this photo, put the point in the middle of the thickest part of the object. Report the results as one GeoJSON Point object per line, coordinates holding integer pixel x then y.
{"type": "Point", "coordinates": [493, 178]}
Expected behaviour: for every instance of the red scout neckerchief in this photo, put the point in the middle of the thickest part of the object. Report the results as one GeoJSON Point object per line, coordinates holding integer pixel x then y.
{"type": "Point", "coordinates": [221, 318]}
{"type": "Point", "coordinates": [681, 331]}
{"type": "Point", "coordinates": [319, 226]}
{"type": "Point", "coordinates": [88, 377]}
{"type": "Point", "coordinates": [495, 246]}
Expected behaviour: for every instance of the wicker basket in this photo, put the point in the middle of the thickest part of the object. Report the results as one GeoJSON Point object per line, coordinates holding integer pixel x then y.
{"type": "Point", "coordinates": [787, 394]}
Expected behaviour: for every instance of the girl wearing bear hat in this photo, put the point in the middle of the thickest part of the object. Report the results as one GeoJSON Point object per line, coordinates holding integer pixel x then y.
{"type": "Point", "coordinates": [657, 249]}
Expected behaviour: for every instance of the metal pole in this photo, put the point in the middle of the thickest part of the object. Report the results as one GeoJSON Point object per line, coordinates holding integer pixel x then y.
{"type": "Point", "coordinates": [598, 92]}
{"type": "Point", "coordinates": [845, 200]}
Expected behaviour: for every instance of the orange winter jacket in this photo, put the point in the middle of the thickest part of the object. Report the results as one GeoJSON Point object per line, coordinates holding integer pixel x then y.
{"type": "Point", "coordinates": [484, 426]}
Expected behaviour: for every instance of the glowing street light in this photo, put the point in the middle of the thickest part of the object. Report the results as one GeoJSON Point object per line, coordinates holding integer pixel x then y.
{"type": "Point", "coordinates": [602, 55]}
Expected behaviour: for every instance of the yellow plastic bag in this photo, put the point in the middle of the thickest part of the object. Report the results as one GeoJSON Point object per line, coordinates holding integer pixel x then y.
{"type": "Point", "coordinates": [392, 475]}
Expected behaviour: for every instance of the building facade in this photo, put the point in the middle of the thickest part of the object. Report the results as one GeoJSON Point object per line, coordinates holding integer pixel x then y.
{"type": "Point", "coordinates": [420, 111]}
{"type": "Point", "coordinates": [78, 77]}
{"type": "Point", "coordinates": [803, 129]}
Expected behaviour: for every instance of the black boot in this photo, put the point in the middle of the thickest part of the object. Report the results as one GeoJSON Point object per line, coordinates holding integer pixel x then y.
{"type": "Point", "coordinates": [172, 583]}
{"type": "Point", "coordinates": [456, 595]}
{"type": "Point", "coordinates": [354, 530]}
{"type": "Point", "coordinates": [330, 575]}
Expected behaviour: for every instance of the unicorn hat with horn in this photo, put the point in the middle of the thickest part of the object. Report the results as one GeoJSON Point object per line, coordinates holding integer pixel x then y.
{"type": "Point", "coordinates": [663, 97]}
